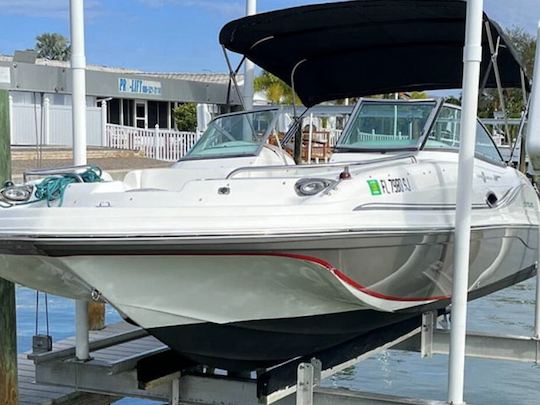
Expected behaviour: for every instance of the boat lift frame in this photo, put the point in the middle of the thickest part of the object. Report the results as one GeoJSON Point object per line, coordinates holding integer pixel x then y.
{"type": "Point", "coordinates": [156, 373]}
{"type": "Point", "coordinates": [74, 366]}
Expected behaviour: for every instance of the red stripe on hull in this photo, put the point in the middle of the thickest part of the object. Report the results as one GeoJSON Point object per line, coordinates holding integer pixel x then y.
{"type": "Point", "coordinates": [343, 277]}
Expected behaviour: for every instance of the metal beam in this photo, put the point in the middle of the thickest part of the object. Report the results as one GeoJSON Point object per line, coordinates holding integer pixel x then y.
{"type": "Point", "coordinates": [332, 396]}
{"type": "Point", "coordinates": [275, 396]}
{"type": "Point", "coordinates": [93, 346]}
{"type": "Point", "coordinates": [249, 67]}
{"type": "Point", "coordinates": [481, 345]}
{"type": "Point", "coordinates": [212, 391]}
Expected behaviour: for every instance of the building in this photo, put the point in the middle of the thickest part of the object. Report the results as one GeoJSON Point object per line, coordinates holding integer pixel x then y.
{"type": "Point", "coordinates": [40, 98]}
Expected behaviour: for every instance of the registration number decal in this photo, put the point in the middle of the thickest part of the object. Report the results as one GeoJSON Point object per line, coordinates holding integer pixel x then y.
{"type": "Point", "coordinates": [389, 186]}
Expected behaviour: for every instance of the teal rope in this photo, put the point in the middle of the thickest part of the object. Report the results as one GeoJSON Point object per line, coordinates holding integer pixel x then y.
{"type": "Point", "coordinates": [53, 188]}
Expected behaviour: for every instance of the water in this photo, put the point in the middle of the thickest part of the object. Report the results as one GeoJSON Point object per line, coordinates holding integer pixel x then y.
{"type": "Point", "coordinates": [510, 311]}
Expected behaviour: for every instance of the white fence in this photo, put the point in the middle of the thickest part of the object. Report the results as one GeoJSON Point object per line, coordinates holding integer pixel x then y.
{"type": "Point", "coordinates": [160, 144]}
{"type": "Point", "coordinates": [30, 127]}
{"type": "Point", "coordinates": [367, 136]}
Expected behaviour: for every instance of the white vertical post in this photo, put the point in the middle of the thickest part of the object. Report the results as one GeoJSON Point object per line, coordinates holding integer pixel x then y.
{"type": "Point", "coordinates": [104, 138]}
{"type": "Point", "coordinates": [78, 76]}
{"type": "Point", "coordinates": [537, 303]}
{"type": "Point", "coordinates": [175, 392]}
{"type": "Point", "coordinates": [78, 72]}
{"type": "Point", "coordinates": [82, 351]}
{"type": "Point", "coordinates": [472, 57]}
{"type": "Point", "coordinates": [169, 115]}
{"type": "Point", "coordinates": [122, 112]}
{"type": "Point", "coordinates": [156, 142]}
{"type": "Point", "coordinates": [533, 130]}
{"type": "Point", "coordinates": [304, 384]}
{"type": "Point", "coordinates": [249, 67]}
{"type": "Point", "coordinates": [310, 139]}
{"type": "Point", "coordinates": [11, 119]}
{"type": "Point", "coordinates": [46, 120]}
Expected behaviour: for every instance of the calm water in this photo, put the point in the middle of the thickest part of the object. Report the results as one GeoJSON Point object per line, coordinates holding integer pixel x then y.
{"type": "Point", "coordinates": [487, 381]}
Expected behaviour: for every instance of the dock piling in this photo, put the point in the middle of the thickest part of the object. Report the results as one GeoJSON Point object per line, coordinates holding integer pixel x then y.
{"type": "Point", "coordinates": [8, 325]}
{"type": "Point", "coordinates": [96, 315]}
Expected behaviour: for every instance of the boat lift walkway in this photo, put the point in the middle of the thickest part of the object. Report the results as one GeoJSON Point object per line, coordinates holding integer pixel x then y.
{"type": "Point", "coordinates": [127, 362]}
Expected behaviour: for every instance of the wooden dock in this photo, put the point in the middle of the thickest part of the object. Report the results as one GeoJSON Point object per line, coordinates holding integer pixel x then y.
{"type": "Point", "coordinates": [32, 393]}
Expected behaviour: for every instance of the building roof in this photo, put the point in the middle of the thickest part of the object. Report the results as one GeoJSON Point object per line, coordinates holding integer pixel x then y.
{"type": "Point", "coordinates": [206, 77]}
{"type": "Point", "coordinates": [43, 75]}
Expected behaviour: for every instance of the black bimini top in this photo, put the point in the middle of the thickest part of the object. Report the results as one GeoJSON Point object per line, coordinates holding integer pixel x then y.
{"type": "Point", "coordinates": [365, 47]}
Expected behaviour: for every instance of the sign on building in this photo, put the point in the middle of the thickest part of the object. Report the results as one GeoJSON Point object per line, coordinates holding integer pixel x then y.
{"type": "Point", "coordinates": [138, 86]}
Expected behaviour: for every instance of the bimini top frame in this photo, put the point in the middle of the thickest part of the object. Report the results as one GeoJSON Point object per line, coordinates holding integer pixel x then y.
{"type": "Point", "coordinates": [364, 47]}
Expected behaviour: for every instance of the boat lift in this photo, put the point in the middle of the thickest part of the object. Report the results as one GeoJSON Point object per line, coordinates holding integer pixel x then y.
{"type": "Point", "coordinates": [130, 363]}
{"type": "Point", "coordinates": [127, 362]}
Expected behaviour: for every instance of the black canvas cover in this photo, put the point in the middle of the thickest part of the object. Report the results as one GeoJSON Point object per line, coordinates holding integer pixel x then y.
{"type": "Point", "coordinates": [365, 47]}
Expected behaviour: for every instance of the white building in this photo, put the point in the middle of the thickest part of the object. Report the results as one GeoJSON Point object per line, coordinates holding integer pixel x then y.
{"type": "Point", "coordinates": [40, 98]}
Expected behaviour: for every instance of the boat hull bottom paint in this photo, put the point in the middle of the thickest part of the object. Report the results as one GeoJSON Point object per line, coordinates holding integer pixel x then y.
{"type": "Point", "coordinates": [250, 345]}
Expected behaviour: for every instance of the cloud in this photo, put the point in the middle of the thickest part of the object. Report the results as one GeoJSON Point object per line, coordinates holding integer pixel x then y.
{"type": "Point", "coordinates": [38, 8]}
{"type": "Point", "coordinates": [215, 6]}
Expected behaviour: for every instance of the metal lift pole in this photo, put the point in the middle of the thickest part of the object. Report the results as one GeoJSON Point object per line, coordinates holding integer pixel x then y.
{"type": "Point", "coordinates": [78, 72]}
{"type": "Point", "coordinates": [532, 136]}
{"type": "Point", "coordinates": [472, 57]}
{"type": "Point", "coordinates": [8, 325]}
{"type": "Point", "coordinates": [249, 67]}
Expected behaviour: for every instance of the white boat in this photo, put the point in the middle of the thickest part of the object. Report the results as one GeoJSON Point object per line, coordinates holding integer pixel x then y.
{"type": "Point", "coordinates": [240, 259]}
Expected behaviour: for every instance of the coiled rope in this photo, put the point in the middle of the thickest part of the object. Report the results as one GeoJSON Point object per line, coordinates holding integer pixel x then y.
{"type": "Point", "coordinates": [52, 188]}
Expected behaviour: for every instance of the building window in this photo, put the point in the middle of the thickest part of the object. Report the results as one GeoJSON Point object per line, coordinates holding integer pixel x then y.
{"type": "Point", "coordinates": [157, 114]}
{"type": "Point", "coordinates": [113, 111]}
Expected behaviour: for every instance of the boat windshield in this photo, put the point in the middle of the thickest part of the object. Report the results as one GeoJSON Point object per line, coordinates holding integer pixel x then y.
{"type": "Point", "coordinates": [235, 135]}
{"type": "Point", "coordinates": [386, 125]}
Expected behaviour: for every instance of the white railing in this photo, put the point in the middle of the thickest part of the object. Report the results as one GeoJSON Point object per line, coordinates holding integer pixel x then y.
{"type": "Point", "coordinates": [367, 136]}
{"type": "Point", "coordinates": [160, 144]}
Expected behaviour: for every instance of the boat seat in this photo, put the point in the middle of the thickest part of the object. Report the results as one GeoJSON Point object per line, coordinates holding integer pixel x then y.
{"type": "Point", "coordinates": [167, 179]}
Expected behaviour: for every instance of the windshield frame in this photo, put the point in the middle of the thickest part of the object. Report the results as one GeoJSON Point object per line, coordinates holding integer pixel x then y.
{"type": "Point", "coordinates": [502, 162]}
{"type": "Point", "coordinates": [264, 140]}
{"type": "Point", "coordinates": [421, 139]}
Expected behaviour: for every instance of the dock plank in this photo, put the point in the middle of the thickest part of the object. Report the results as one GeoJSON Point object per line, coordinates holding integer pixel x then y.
{"type": "Point", "coordinates": [31, 393]}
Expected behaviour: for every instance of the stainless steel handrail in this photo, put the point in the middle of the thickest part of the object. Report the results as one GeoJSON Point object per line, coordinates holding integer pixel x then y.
{"type": "Point", "coordinates": [323, 166]}
{"type": "Point", "coordinates": [56, 171]}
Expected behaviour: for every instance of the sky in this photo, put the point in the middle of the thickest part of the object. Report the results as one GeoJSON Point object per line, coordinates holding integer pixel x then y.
{"type": "Point", "coordinates": [170, 35]}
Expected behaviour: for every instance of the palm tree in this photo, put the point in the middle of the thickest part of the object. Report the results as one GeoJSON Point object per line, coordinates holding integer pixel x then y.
{"type": "Point", "coordinates": [53, 46]}
{"type": "Point", "coordinates": [275, 89]}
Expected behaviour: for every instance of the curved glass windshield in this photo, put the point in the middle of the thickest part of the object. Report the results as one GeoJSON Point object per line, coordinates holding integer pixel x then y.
{"type": "Point", "coordinates": [387, 125]}
{"type": "Point", "coordinates": [234, 135]}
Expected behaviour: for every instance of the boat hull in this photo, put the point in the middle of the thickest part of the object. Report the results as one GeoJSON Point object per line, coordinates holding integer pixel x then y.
{"type": "Point", "coordinates": [243, 303]}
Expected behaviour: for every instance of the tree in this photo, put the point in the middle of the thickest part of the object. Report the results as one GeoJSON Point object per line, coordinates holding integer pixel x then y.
{"type": "Point", "coordinates": [275, 89]}
{"type": "Point", "coordinates": [53, 46]}
{"type": "Point", "coordinates": [418, 95]}
{"type": "Point", "coordinates": [453, 100]}
{"type": "Point", "coordinates": [185, 116]}
{"type": "Point", "coordinates": [525, 45]}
